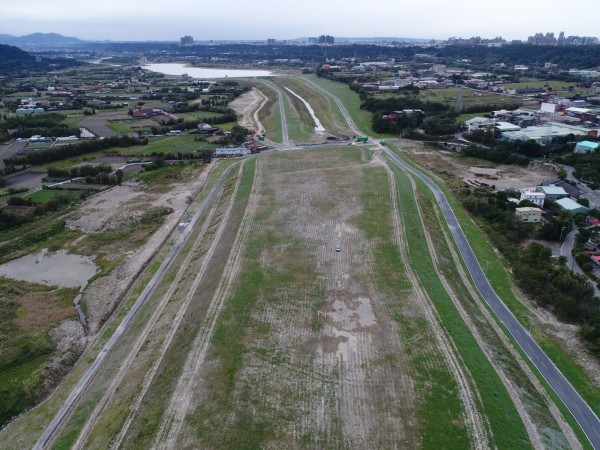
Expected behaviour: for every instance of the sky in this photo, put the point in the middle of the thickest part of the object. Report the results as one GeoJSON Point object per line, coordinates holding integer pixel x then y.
{"type": "Point", "coordinates": [129, 20]}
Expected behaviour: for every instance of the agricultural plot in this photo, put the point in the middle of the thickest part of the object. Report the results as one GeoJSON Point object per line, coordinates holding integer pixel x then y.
{"type": "Point", "coordinates": [469, 97]}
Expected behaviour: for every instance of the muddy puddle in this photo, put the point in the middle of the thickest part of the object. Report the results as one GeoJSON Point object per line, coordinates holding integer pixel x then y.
{"type": "Point", "coordinates": [60, 269]}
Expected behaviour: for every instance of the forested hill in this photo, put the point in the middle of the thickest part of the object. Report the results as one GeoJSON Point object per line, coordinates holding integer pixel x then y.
{"type": "Point", "coordinates": [13, 60]}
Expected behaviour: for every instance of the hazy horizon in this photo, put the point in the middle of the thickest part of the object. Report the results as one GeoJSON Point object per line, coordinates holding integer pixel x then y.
{"type": "Point", "coordinates": [259, 20]}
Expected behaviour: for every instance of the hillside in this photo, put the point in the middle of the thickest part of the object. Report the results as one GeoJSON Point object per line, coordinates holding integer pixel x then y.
{"type": "Point", "coordinates": [40, 40]}
{"type": "Point", "coordinates": [13, 60]}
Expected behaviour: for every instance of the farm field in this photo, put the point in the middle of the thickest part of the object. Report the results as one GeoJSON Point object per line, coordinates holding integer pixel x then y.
{"type": "Point", "coordinates": [262, 335]}
{"type": "Point", "coordinates": [469, 97]}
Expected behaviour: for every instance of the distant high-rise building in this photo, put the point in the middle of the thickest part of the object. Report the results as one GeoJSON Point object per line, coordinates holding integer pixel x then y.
{"type": "Point", "coordinates": [313, 40]}
{"type": "Point", "coordinates": [270, 41]}
{"type": "Point", "coordinates": [549, 39]}
{"type": "Point", "coordinates": [325, 39]}
{"type": "Point", "coordinates": [187, 40]}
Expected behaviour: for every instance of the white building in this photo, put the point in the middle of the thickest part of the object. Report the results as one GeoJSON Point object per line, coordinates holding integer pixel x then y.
{"type": "Point", "coordinates": [536, 198]}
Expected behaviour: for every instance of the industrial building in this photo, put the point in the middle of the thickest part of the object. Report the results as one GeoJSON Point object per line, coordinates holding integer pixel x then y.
{"type": "Point", "coordinates": [572, 206]}
{"type": "Point", "coordinates": [586, 147]}
{"type": "Point", "coordinates": [552, 192]}
{"type": "Point", "coordinates": [231, 152]}
{"type": "Point", "coordinates": [545, 133]}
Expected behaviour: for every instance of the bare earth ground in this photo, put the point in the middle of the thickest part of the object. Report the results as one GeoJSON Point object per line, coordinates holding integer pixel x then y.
{"type": "Point", "coordinates": [247, 106]}
{"type": "Point", "coordinates": [509, 177]}
{"type": "Point", "coordinates": [333, 381]}
{"type": "Point", "coordinates": [97, 123]}
{"type": "Point", "coordinates": [121, 207]}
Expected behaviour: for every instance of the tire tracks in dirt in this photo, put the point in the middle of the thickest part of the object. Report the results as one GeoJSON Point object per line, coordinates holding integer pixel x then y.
{"type": "Point", "coordinates": [259, 124]}
{"type": "Point", "coordinates": [181, 400]}
{"type": "Point", "coordinates": [127, 362]}
{"type": "Point", "coordinates": [477, 425]}
{"type": "Point", "coordinates": [179, 317]}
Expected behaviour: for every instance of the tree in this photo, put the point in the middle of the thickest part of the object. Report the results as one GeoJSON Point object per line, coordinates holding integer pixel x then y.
{"type": "Point", "coordinates": [562, 173]}
{"type": "Point", "coordinates": [584, 201]}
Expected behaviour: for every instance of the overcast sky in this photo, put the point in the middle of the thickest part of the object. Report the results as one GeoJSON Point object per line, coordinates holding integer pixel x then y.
{"type": "Point", "coordinates": [282, 19]}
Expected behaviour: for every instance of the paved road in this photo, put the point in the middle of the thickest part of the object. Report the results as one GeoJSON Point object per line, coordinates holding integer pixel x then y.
{"type": "Point", "coordinates": [566, 251]}
{"type": "Point", "coordinates": [63, 413]}
{"type": "Point", "coordinates": [580, 410]}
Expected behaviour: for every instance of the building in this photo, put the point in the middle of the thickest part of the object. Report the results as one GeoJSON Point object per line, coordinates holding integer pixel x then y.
{"type": "Point", "coordinates": [187, 40]}
{"type": "Point", "coordinates": [528, 214]}
{"type": "Point", "coordinates": [537, 198]}
{"type": "Point", "coordinates": [544, 134]}
{"type": "Point", "coordinates": [572, 206]}
{"type": "Point", "coordinates": [552, 192]}
{"type": "Point", "coordinates": [586, 147]}
{"type": "Point", "coordinates": [231, 152]}
{"type": "Point", "coordinates": [325, 39]}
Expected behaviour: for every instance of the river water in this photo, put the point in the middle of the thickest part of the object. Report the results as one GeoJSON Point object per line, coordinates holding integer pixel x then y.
{"type": "Point", "coordinates": [318, 127]}
{"type": "Point", "coordinates": [205, 72]}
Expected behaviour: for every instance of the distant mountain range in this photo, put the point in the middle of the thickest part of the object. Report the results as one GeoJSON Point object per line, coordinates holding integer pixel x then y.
{"type": "Point", "coordinates": [40, 40]}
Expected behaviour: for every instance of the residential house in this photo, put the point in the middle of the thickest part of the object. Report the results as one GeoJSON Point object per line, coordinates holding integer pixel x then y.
{"type": "Point", "coordinates": [537, 198]}
{"type": "Point", "coordinates": [529, 214]}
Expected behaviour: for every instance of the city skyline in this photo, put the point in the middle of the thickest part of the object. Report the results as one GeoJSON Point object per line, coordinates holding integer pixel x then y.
{"type": "Point", "coordinates": [111, 20]}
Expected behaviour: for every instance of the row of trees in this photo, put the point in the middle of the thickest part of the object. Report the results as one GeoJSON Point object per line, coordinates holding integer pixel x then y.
{"type": "Point", "coordinates": [9, 220]}
{"type": "Point", "coordinates": [546, 280]}
{"type": "Point", "coordinates": [68, 151]}
{"type": "Point", "coordinates": [87, 170]}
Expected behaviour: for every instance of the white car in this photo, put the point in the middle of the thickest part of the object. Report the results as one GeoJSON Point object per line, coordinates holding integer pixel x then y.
{"type": "Point", "coordinates": [337, 248]}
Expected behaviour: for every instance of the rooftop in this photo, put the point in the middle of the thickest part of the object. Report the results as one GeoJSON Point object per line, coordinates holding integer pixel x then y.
{"type": "Point", "coordinates": [570, 205]}
{"type": "Point", "coordinates": [552, 190]}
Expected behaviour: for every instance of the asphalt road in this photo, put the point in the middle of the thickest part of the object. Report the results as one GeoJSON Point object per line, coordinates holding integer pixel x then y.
{"type": "Point", "coordinates": [580, 410]}
{"type": "Point", "coordinates": [63, 413]}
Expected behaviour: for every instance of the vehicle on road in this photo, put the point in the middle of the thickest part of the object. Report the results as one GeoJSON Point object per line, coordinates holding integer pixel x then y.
{"type": "Point", "coordinates": [338, 248]}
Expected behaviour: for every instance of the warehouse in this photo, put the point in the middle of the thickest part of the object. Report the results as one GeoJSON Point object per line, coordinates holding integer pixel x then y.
{"type": "Point", "coordinates": [572, 206]}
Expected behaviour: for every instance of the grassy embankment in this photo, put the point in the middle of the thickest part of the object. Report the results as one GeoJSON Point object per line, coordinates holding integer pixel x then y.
{"type": "Point", "coordinates": [116, 413]}
{"type": "Point", "coordinates": [351, 101]}
{"type": "Point", "coordinates": [498, 275]}
{"type": "Point", "coordinates": [324, 107]}
{"type": "Point", "coordinates": [270, 114]}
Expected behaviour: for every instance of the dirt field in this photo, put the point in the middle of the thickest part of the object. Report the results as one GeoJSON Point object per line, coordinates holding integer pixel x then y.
{"type": "Point", "coordinates": [264, 336]}
{"type": "Point", "coordinates": [119, 208]}
{"type": "Point", "coordinates": [97, 123]}
{"type": "Point", "coordinates": [248, 106]}
{"type": "Point", "coordinates": [508, 177]}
